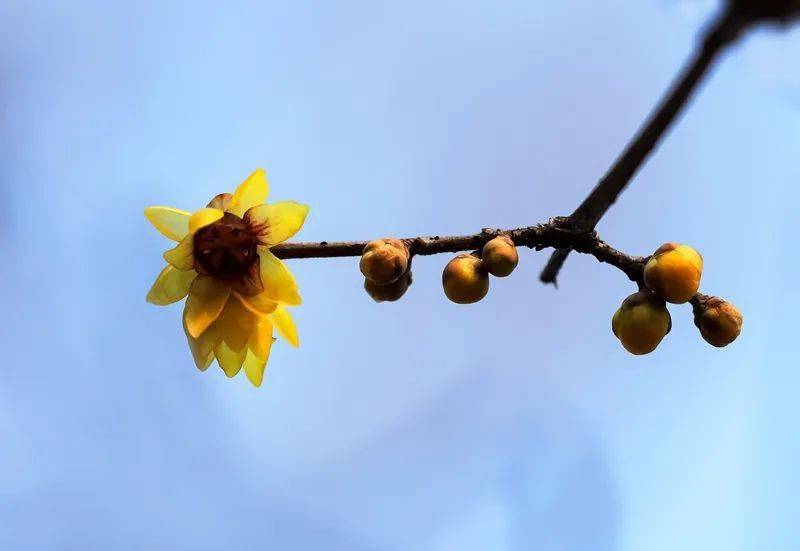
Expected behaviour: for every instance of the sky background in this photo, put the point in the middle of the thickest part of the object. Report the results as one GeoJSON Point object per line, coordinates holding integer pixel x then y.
{"type": "Point", "coordinates": [517, 423]}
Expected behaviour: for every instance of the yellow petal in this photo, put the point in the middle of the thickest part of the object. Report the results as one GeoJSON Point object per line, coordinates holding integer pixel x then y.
{"type": "Point", "coordinates": [206, 363]}
{"type": "Point", "coordinates": [254, 368]}
{"type": "Point", "coordinates": [261, 338]}
{"type": "Point", "coordinates": [285, 325]}
{"type": "Point", "coordinates": [173, 223]}
{"type": "Point", "coordinates": [203, 347]}
{"type": "Point", "coordinates": [182, 256]}
{"type": "Point", "coordinates": [235, 324]}
{"type": "Point", "coordinates": [204, 217]}
{"type": "Point", "coordinates": [277, 222]}
{"type": "Point", "coordinates": [259, 304]}
{"type": "Point", "coordinates": [229, 360]}
{"type": "Point", "coordinates": [250, 193]}
{"type": "Point", "coordinates": [220, 201]}
{"type": "Point", "coordinates": [170, 286]}
{"type": "Point", "coordinates": [258, 353]}
{"type": "Point", "coordinates": [207, 297]}
{"type": "Point", "coordinates": [279, 283]}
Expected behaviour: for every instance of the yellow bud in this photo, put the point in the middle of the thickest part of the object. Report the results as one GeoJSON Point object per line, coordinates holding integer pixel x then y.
{"type": "Point", "coordinates": [388, 293]}
{"type": "Point", "coordinates": [465, 279]}
{"type": "Point", "coordinates": [384, 261]}
{"type": "Point", "coordinates": [500, 256]}
{"type": "Point", "coordinates": [641, 322]}
{"type": "Point", "coordinates": [673, 272]}
{"type": "Point", "coordinates": [719, 321]}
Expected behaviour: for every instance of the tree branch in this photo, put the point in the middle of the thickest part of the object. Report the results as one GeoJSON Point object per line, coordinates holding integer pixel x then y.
{"type": "Point", "coordinates": [605, 193]}
{"type": "Point", "coordinates": [576, 232]}
{"type": "Point", "coordinates": [555, 233]}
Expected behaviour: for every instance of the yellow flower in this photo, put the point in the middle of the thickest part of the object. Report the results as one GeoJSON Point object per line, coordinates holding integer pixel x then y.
{"type": "Point", "coordinates": [237, 289]}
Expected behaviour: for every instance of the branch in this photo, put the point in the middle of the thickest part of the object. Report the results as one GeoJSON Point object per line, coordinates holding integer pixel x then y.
{"type": "Point", "coordinates": [555, 233]}
{"type": "Point", "coordinates": [605, 193]}
{"type": "Point", "coordinates": [576, 232]}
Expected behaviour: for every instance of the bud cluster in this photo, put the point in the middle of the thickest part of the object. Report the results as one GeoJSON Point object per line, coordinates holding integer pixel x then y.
{"type": "Point", "coordinates": [672, 274]}
{"type": "Point", "coordinates": [466, 277]}
{"type": "Point", "coordinates": [386, 264]}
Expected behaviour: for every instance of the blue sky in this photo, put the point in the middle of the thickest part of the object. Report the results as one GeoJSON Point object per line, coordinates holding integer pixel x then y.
{"type": "Point", "coordinates": [516, 423]}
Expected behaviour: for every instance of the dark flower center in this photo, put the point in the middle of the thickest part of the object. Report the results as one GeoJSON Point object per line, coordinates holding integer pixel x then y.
{"type": "Point", "coordinates": [224, 249]}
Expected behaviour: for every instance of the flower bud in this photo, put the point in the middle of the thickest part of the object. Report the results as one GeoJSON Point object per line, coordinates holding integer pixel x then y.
{"type": "Point", "coordinates": [384, 261]}
{"type": "Point", "coordinates": [465, 280]}
{"type": "Point", "coordinates": [388, 293]}
{"type": "Point", "coordinates": [641, 322]}
{"type": "Point", "coordinates": [673, 272]}
{"type": "Point", "coordinates": [719, 321]}
{"type": "Point", "coordinates": [500, 256]}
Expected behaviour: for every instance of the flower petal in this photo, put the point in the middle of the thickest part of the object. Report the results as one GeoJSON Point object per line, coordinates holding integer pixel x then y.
{"type": "Point", "coordinates": [207, 297]}
{"type": "Point", "coordinates": [206, 363]}
{"type": "Point", "coordinates": [279, 283]}
{"type": "Point", "coordinates": [220, 201]}
{"type": "Point", "coordinates": [204, 217]}
{"type": "Point", "coordinates": [235, 324]}
{"type": "Point", "coordinates": [285, 325]}
{"type": "Point", "coordinates": [254, 368]}
{"type": "Point", "coordinates": [203, 347]}
{"type": "Point", "coordinates": [170, 286]}
{"type": "Point", "coordinates": [261, 338]}
{"type": "Point", "coordinates": [258, 353]}
{"type": "Point", "coordinates": [277, 222]}
{"type": "Point", "coordinates": [259, 304]}
{"type": "Point", "coordinates": [229, 360]}
{"type": "Point", "coordinates": [173, 223]}
{"type": "Point", "coordinates": [250, 193]}
{"type": "Point", "coordinates": [182, 256]}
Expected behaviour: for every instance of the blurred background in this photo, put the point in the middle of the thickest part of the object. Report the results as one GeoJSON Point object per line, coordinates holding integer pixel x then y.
{"type": "Point", "coordinates": [517, 423]}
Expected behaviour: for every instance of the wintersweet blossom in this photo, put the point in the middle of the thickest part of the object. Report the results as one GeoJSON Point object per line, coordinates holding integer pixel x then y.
{"type": "Point", "coordinates": [238, 291]}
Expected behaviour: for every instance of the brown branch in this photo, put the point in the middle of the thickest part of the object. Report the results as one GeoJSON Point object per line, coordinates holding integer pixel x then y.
{"type": "Point", "coordinates": [552, 234]}
{"type": "Point", "coordinates": [605, 193]}
{"type": "Point", "coordinates": [576, 232]}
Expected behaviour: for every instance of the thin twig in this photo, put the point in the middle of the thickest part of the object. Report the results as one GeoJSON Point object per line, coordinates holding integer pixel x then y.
{"type": "Point", "coordinates": [552, 234]}
{"type": "Point", "coordinates": [605, 193]}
